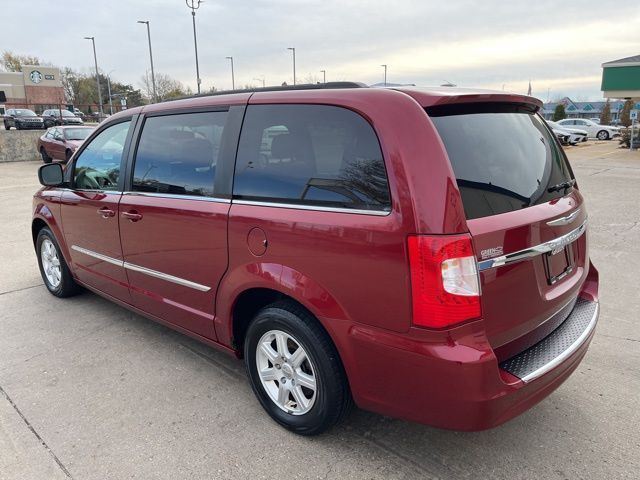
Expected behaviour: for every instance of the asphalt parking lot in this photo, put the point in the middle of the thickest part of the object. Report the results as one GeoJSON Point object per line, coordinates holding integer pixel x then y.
{"type": "Point", "coordinates": [89, 390]}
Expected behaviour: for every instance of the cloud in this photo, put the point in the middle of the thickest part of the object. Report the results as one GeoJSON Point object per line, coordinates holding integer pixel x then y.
{"type": "Point", "coordinates": [470, 43]}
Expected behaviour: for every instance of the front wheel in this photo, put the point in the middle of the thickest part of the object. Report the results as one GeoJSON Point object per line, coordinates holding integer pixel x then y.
{"type": "Point", "coordinates": [295, 370]}
{"type": "Point", "coordinates": [53, 268]}
{"type": "Point", "coordinates": [6, 126]}
{"type": "Point", "coordinates": [603, 135]}
{"type": "Point", "coordinates": [45, 158]}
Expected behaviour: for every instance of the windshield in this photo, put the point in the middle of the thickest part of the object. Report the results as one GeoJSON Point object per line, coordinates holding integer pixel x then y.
{"type": "Point", "coordinates": [503, 156]}
{"type": "Point", "coordinates": [67, 113]}
{"type": "Point", "coordinates": [25, 113]}
{"type": "Point", "coordinates": [77, 133]}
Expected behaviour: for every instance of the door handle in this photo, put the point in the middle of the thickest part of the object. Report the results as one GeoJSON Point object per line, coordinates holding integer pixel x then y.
{"type": "Point", "coordinates": [105, 212]}
{"type": "Point", "coordinates": [132, 215]}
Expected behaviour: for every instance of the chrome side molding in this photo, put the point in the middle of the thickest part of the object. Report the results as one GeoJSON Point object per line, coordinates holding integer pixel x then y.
{"type": "Point", "coordinates": [138, 268]}
{"type": "Point", "coordinates": [532, 252]}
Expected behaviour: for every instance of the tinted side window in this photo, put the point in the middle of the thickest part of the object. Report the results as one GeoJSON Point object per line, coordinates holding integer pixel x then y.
{"type": "Point", "coordinates": [98, 166]}
{"type": "Point", "coordinates": [310, 154]}
{"type": "Point", "coordinates": [178, 154]}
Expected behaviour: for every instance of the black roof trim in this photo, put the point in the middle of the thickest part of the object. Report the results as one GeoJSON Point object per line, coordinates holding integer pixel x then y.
{"type": "Point", "coordinates": [305, 86]}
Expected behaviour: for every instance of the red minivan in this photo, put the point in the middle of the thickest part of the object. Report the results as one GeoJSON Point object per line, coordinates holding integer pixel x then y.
{"type": "Point", "coordinates": [422, 253]}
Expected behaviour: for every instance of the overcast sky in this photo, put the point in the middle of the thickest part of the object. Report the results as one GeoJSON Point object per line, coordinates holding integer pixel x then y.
{"type": "Point", "coordinates": [491, 43]}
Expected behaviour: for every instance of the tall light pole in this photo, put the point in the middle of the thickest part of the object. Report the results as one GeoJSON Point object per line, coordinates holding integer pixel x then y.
{"type": "Point", "coordinates": [153, 75]}
{"type": "Point", "coordinates": [194, 5]}
{"type": "Point", "coordinates": [95, 59]}
{"type": "Point", "coordinates": [324, 76]}
{"type": "Point", "coordinates": [294, 63]}
{"type": "Point", "coordinates": [109, 91]}
{"type": "Point", "coordinates": [233, 80]}
{"type": "Point", "coordinates": [385, 74]}
{"type": "Point", "coordinates": [261, 80]}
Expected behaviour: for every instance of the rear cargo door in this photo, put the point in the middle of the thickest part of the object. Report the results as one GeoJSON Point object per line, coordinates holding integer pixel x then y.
{"type": "Point", "coordinates": [527, 219]}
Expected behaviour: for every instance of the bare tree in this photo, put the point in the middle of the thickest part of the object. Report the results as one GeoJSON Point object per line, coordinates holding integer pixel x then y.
{"type": "Point", "coordinates": [12, 62]}
{"type": "Point", "coordinates": [166, 87]}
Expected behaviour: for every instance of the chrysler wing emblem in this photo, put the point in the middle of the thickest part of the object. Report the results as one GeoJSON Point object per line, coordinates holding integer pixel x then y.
{"type": "Point", "coordinates": [564, 220]}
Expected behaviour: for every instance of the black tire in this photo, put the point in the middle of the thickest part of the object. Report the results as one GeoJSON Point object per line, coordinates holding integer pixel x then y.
{"type": "Point", "coordinates": [67, 286]}
{"type": "Point", "coordinates": [332, 398]}
{"type": "Point", "coordinates": [45, 158]}
{"type": "Point", "coordinates": [603, 135]}
{"type": "Point", "coordinates": [67, 155]}
{"type": "Point", "coordinates": [6, 126]}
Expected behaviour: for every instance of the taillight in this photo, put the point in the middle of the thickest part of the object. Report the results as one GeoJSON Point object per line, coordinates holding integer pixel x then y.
{"type": "Point", "coordinates": [444, 280]}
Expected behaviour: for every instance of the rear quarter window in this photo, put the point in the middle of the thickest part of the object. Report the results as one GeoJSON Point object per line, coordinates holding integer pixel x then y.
{"type": "Point", "coordinates": [504, 157]}
{"type": "Point", "coordinates": [310, 155]}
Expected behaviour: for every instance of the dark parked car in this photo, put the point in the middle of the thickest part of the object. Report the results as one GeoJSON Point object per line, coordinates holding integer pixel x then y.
{"type": "Point", "coordinates": [347, 242]}
{"type": "Point", "coordinates": [54, 117]}
{"type": "Point", "coordinates": [59, 143]}
{"type": "Point", "coordinates": [22, 118]}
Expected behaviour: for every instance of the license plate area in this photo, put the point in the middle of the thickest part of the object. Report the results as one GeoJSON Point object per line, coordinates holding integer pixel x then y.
{"type": "Point", "coordinates": [558, 263]}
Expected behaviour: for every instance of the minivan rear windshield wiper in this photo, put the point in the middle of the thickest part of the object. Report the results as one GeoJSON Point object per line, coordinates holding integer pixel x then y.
{"type": "Point", "coordinates": [561, 186]}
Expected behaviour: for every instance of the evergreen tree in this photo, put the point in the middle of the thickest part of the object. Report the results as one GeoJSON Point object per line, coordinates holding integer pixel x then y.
{"type": "Point", "coordinates": [559, 113]}
{"type": "Point", "coordinates": [605, 116]}
{"type": "Point", "coordinates": [625, 116]}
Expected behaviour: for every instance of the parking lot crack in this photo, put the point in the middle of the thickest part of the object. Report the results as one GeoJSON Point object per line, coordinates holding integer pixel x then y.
{"type": "Point", "coordinates": [35, 433]}
{"type": "Point", "coordinates": [21, 289]}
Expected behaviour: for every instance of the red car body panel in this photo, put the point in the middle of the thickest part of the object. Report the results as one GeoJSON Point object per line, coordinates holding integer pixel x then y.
{"type": "Point", "coordinates": [57, 149]}
{"type": "Point", "coordinates": [349, 270]}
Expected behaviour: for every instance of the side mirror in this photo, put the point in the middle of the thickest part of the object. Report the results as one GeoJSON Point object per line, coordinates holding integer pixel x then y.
{"type": "Point", "coordinates": [51, 175]}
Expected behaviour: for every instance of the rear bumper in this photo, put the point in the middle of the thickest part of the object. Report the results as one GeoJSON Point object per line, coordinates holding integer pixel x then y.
{"type": "Point", "coordinates": [457, 383]}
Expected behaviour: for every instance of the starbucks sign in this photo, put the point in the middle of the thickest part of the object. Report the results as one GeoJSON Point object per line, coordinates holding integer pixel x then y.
{"type": "Point", "coordinates": [35, 76]}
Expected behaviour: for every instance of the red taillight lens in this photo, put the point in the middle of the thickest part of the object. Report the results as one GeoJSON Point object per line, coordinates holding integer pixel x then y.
{"type": "Point", "coordinates": [444, 280]}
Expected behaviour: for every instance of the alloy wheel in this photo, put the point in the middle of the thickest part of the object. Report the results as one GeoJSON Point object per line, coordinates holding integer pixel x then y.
{"type": "Point", "coordinates": [286, 372]}
{"type": "Point", "coordinates": [51, 263]}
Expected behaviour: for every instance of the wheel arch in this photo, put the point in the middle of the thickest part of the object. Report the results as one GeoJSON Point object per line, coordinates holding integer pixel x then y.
{"type": "Point", "coordinates": [258, 285]}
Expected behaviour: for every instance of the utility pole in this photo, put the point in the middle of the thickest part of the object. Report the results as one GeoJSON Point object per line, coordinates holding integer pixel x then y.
{"type": "Point", "coordinates": [194, 5]}
{"type": "Point", "coordinates": [324, 76]}
{"type": "Point", "coordinates": [153, 76]}
{"type": "Point", "coordinates": [95, 59]}
{"type": "Point", "coordinates": [233, 80]}
{"type": "Point", "coordinates": [294, 63]}
{"type": "Point", "coordinates": [385, 74]}
{"type": "Point", "coordinates": [261, 80]}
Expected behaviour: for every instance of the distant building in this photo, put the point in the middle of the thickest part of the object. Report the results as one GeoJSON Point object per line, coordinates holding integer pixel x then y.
{"type": "Point", "coordinates": [583, 109]}
{"type": "Point", "coordinates": [621, 78]}
{"type": "Point", "coordinates": [35, 87]}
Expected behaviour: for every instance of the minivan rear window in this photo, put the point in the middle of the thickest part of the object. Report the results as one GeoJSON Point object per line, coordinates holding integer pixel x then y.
{"type": "Point", "coordinates": [503, 155]}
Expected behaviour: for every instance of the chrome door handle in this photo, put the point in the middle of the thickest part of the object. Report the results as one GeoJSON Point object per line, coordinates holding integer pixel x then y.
{"type": "Point", "coordinates": [105, 212]}
{"type": "Point", "coordinates": [132, 215]}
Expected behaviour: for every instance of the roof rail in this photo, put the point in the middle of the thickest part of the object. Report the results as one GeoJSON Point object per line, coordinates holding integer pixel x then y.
{"type": "Point", "coordinates": [304, 86]}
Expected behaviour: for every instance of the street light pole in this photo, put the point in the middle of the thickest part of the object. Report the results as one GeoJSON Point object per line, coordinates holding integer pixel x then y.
{"type": "Point", "coordinates": [294, 63]}
{"type": "Point", "coordinates": [385, 74]}
{"type": "Point", "coordinates": [153, 75]}
{"type": "Point", "coordinates": [109, 91]}
{"type": "Point", "coordinates": [260, 80]}
{"type": "Point", "coordinates": [194, 5]}
{"type": "Point", "coordinates": [233, 80]}
{"type": "Point", "coordinates": [95, 59]}
{"type": "Point", "coordinates": [324, 76]}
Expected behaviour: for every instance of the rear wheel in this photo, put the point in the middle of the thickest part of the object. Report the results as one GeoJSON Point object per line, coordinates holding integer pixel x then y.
{"type": "Point", "coordinates": [295, 370]}
{"type": "Point", "coordinates": [53, 268]}
{"type": "Point", "coordinates": [603, 135]}
{"type": "Point", "coordinates": [45, 158]}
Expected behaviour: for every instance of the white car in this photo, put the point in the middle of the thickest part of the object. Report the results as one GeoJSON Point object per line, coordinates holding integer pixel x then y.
{"type": "Point", "coordinates": [575, 135]}
{"type": "Point", "coordinates": [594, 130]}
